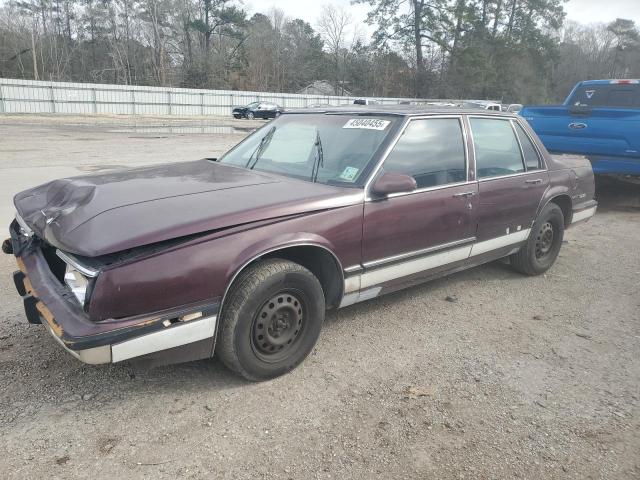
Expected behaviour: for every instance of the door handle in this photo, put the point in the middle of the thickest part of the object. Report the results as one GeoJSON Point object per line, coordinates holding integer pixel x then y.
{"type": "Point", "coordinates": [464, 194]}
{"type": "Point", "coordinates": [534, 181]}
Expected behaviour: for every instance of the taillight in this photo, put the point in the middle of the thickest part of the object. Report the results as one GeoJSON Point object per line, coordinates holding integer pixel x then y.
{"type": "Point", "coordinates": [625, 82]}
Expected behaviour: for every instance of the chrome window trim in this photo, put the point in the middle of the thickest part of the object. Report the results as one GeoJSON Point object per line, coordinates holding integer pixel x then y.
{"type": "Point", "coordinates": [541, 159]}
{"type": "Point", "coordinates": [515, 134]}
{"type": "Point", "coordinates": [517, 174]}
{"type": "Point", "coordinates": [392, 145]}
{"type": "Point", "coordinates": [422, 190]}
{"type": "Point", "coordinates": [417, 253]}
{"type": "Point", "coordinates": [70, 260]}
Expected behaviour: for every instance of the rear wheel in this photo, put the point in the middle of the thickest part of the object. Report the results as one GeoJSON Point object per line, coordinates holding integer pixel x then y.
{"type": "Point", "coordinates": [271, 320]}
{"type": "Point", "coordinates": [250, 115]}
{"type": "Point", "coordinates": [544, 243]}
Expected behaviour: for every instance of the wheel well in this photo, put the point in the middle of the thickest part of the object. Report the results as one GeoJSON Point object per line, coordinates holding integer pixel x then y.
{"type": "Point", "coordinates": [564, 202]}
{"type": "Point", "coordinates": [321, 263]}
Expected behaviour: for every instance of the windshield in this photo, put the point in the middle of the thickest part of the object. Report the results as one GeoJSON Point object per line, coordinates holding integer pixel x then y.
{"type": "Point", "coordinates": [331, 149]}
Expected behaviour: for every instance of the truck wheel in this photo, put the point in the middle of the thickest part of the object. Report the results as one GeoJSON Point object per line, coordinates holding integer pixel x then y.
{"type": "Point", "coordinates": [271, 319]}
{"type": "Point", "coordinates": [543, 246]}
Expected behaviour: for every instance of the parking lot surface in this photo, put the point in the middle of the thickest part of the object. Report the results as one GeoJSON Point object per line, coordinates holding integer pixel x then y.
{"type": "Point", "coordinates": [483, 374]}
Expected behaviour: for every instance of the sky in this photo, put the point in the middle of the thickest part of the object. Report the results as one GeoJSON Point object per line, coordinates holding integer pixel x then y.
{"type": "Point", "coordinates": [583, 11]}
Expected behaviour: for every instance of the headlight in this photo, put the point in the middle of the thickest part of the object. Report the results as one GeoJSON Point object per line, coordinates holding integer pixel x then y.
{"type": "Point", "coordinates": [77, 276]}
{"type": "Point", "coordinates": [24, 228]}
{"type": "Point", "coordinates": [77, 282]}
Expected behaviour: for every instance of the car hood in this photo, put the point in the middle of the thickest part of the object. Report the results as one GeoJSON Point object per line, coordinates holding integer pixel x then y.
{"type": "Point", "coordinates": [104, 213]}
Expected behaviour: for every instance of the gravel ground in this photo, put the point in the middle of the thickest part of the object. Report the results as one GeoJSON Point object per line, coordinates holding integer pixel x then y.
{"type": "Point", "coordinates": [484, 374]}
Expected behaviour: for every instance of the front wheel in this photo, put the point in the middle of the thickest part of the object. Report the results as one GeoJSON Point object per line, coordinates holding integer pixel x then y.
{"type": "Point", "coordinates": [543, 246]}
{"type": "Point", "coordinates": [250, 116]}
{"type": "Point", "coordinates": [271, 320]}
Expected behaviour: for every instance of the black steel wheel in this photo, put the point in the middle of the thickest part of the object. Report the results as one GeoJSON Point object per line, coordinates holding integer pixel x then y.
{"type": "Point", "coordinates": [544, 240]}
{"type": "Point", "coordinates": [278, 325]}
{"type": "Point", "coordinates": [271, 319]}
{"type": "Point", "coordinates": [544, 243]}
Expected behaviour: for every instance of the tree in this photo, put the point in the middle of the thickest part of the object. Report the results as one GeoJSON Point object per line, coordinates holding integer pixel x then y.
{"type": "Point", "coordinates": [334, 25]}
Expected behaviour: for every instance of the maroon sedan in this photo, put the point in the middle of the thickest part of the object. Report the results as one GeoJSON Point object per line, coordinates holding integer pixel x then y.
{"type": "Point", "coordinates": [240, 257]}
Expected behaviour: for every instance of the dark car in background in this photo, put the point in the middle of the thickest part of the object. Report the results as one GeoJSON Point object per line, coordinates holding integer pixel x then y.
{"type": "Point", "coordinates": [315, 210]}
{"type": "Point", "coordinates": [258, 110]}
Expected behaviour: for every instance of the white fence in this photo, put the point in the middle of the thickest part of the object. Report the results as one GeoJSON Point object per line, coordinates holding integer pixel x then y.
{"type": "Point", "coordinates": [30, 96]}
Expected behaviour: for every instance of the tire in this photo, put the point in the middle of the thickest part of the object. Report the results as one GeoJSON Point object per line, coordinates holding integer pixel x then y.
{"type": "Point", "coordinates": [250, 115]}
{"type": "Point", "coordinates": [277, 115]}
{"type": "Point", "coordinates": [544, 243]}
{"type": "Point", "coordinates": [271, 320]}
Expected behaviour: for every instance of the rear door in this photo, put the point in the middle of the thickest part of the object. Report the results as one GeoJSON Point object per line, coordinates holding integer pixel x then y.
{"type": "Point", "coordinates": [511, 180]}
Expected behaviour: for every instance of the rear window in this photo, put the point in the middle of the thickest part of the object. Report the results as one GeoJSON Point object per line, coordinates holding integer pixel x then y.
{"type": "Point", "coordinates": [496, 146]}
{"type": "Point", "coordinates": [609, 95]}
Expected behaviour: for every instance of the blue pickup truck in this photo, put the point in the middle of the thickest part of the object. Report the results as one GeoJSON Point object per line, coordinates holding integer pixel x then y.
{"type": "Point", "coordinates": [600, 119]}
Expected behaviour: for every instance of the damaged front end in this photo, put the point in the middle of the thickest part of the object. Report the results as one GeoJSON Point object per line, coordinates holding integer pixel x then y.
{"type": "Point", "coordinates": [56, 288]}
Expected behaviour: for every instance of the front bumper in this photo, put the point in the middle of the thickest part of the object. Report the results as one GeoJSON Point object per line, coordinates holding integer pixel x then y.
{"type": "Point", "coordinates": [190, 328]}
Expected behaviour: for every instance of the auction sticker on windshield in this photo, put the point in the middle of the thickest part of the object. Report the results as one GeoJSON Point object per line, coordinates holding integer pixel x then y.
{"type": "Point", "coordinates": [367, 123]}
{"type": "Point", "coordinates": [349, 174]}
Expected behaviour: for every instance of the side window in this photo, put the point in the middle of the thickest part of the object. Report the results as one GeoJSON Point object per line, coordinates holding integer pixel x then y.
{"type": "Point", "coordinates": [531, 157]}
{"type": "Point", "coordinates": [431, 151]}
{"type": "Point", "coordinates": [497, 150]}
{"type": "Point", "coordinates": [621, 98]}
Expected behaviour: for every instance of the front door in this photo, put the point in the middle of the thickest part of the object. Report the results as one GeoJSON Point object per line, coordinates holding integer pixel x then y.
{"type": "Point", "coordinates": [406, 234]}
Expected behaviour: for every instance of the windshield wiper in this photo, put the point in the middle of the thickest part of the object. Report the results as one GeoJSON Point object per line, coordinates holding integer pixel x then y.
{"type": "Point", "coordinates": [264, 143]}
{"type": "Point", "coordinates": [318, 161]}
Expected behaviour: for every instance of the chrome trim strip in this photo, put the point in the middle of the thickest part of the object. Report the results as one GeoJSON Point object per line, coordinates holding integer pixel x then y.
{"type": "Point", "coordinates": [584, 214]}
{"type": "Point", "coordinates": [69, 259]}
{"type": "Point", "coordinates": [349, 299]}
{"type": "Point", "coordinates": [23, 226]}
{"type": "Point", "coordinates": [92, 356]}
{"type": "Point", "coordinates": [385, 274]}
{"type": "Point", "coordinates": [356, 297]}
{"type": "Point", "coordinates": [180, 334]}
{"type": "Point", "coordinates": [379, 276]}
{"type": "Point", "coordinates": [391, 146]}
{"type": "Point", "coordinates": [352, 284]}
{"type": "Point", "coordinates": [381, 261]}
{"type": "Point", "coordinates": [499, 242]}
{"type": "Point", "coordinates": [353, 268]}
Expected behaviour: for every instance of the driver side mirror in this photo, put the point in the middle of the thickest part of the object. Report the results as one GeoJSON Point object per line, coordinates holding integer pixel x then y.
{"type": "Point", "coordinates": [390, 182]}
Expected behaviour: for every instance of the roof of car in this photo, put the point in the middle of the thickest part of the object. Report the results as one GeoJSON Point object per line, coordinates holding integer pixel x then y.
{"type": "Point", "coordinates": [399, 110]}
{"type": "Point", "coordinates": [613, 81]}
